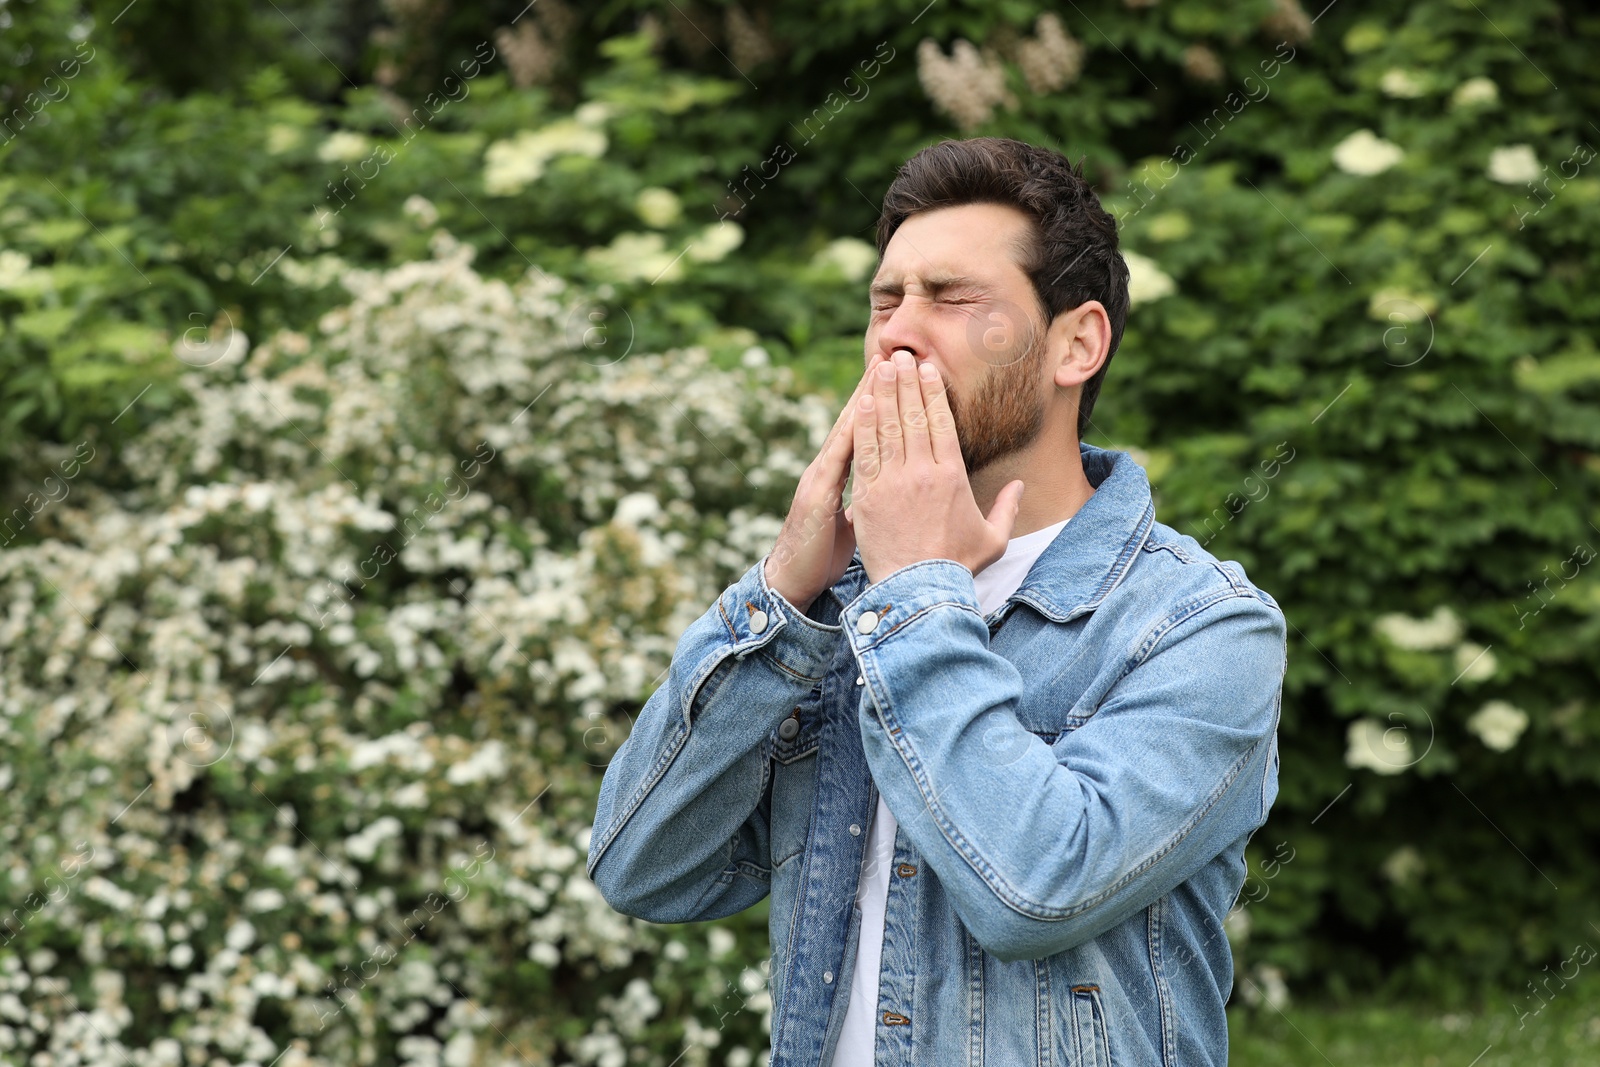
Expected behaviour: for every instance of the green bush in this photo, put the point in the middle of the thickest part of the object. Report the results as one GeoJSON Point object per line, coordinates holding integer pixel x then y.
{"type": "Point", "coordinates": [303, 722]}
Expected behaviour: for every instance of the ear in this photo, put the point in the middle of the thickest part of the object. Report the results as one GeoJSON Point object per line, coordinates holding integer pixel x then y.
{"type": "Point", "coordinates": [1077, 343]}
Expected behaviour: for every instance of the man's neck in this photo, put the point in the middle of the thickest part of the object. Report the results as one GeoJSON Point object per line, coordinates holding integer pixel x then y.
{"type": "Point", "coordinates": [1055, 485]}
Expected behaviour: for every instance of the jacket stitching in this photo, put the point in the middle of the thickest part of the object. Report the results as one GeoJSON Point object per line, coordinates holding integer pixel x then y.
{"type": "Point", "coordinates": [1042, 1017]}
{"type": "Point", "coordinates": [919, 613]}
{"type": "Point", "coordinates": [975, 998]}
{"type": "Point", "coordinates": [1153, 932]}
{"type": "Point", "coordinates": [1124, 561]}
{"type": "Point", "coordinates": [639, 794]}
{"type": "Point", "coordinates": [1182, 614]}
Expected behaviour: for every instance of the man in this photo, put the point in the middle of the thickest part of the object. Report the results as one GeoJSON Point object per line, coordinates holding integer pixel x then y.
{"type": "Point", "coordinates": [994, 753]}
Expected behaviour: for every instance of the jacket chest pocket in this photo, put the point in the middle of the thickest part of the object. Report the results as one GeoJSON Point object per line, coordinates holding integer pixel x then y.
{"type": "Point", "coordinates": [1091, 1047]}
{"type": "Point", "coordinates": [794, 780]}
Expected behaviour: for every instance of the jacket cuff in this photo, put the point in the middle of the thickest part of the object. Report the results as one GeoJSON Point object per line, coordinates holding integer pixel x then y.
{"type": "Point", "coordinates": [758, 617]}
{"type": "Point", "coordinates": [885, 606]}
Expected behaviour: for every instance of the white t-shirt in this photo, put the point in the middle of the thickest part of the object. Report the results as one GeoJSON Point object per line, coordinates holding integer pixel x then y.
{"type": "Point", "coordinates": [994, 584]}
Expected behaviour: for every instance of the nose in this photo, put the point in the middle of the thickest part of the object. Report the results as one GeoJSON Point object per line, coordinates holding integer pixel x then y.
{"type": "Point", "coordinates": [907, 327]}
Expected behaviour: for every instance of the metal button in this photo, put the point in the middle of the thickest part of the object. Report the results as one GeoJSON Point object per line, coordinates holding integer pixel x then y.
{"type": "Point", "coordinates": [867, 623]}
{"type": "Point", "coordinates": [860, 680]}
{"type": "Point", "coordinates": [758, 621]}
{"type": "Point", "coordinates": [788, 728]}
{"type": "Point", "coordinates": [827, 977]}
{"type": "Point", "coordinates": [855, 831]}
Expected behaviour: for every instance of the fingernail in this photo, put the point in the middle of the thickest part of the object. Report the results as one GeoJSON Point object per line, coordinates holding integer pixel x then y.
{"type": "Point", "coordinates": [927, 372]}
{"type": "Point", "coordinates": [866, 401]}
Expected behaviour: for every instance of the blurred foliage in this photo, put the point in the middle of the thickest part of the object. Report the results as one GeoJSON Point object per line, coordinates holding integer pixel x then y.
{"type": "Point", "coordinates": [1373, 382]}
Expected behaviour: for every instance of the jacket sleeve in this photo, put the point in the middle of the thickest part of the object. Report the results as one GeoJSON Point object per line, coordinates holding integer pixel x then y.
{"type": "Point", "coordinates": [1043, 847]}
{"type": "Point", "coordinates": [681, 829]}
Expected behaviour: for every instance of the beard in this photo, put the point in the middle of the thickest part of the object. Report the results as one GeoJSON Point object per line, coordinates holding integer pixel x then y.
{"type": "Point", "coordinates": [1005, 413]}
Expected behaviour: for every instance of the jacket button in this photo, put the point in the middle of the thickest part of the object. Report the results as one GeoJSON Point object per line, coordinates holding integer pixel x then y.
{"type": "Point", "coordinates": [827, 977]}
{"type": "Point", "coordinates": [855, 830]}
{"type": "Point", "coordinates": [788, 728]}
{"type": "Point", "coordinates": [758, 621]}
{"type": "Point", "coordinates": [906, 870]}
{"type": "Point", "coordinates": [867, 623]}
{"type": "Point", "coordinates": [894, 1018]}
{"type": "Point", "coordinates": [860, 680]}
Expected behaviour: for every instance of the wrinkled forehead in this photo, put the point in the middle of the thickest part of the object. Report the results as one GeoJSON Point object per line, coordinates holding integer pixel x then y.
{"type": "Point", "coordinates": [980, 244]}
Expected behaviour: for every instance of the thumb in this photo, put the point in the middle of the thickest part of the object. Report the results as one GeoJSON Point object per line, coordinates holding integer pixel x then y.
{"type": "Point", "coordinates": [1003, 516]}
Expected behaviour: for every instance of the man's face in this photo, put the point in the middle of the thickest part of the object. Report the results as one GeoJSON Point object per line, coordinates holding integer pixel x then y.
{"type": "Point", "coordinates": [950, 289]}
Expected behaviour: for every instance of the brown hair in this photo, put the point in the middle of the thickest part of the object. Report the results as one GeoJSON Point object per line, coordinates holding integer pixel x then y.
{"type": "Point", "coordinates": [1072, 256]}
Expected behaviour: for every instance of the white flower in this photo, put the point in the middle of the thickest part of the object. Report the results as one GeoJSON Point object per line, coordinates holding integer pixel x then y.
{"type": "Point", "coordinates": [1401, 83]}
{"type": "Point", "coordinates": [637, 257]}
{"type": "Point", "coordinates": [459, 1050]}
{"type": "Point", "coordinates": [1403, 865]}
{"type": "Point", "coordinates": [511, 165]}
{"type": "Point", "coordinates": [1513, 164]}
{"type": "Point", "coordinates": [852, 257]}
{"type": "Point", "coordinates": [593, 113]}
{"type": "Point", "coordinates": [16, 269]}
{"type": "Point", "coordinates": [282, 137]}
{"type": "Point", "coordinates": [264, 900]}
{"type": "Point", "coordinates": [1365, 153]}
{"type": "Point", "coordinates": [658, 207]}
{"type": "Point", "coordinates": [1146, 280]}
{"type": "Point", "coordinates": [1498, 724]}
{"type": "Point", "coordinates": [1475, 91]}
{"type": "Point", "coordinates": [240, 935]}
{"type": "Point", "coordinates": [1266, 983]}
{"type": "Point", "coordinates": [716, 241]}
{"type": "Point", "coordinates": [343, 146]}
{"type": "Point", "coordinates": [1440, 630]}
{"type": "Point", "coordinates": [421, 209]}
{"type": "Point", "coordinates": [636, 508]}
{"type": "Point", "coordinates": [1474, 663]}
{"type": "Point", "coordinates": [1370, 745]}
{"type": "Point", "coordinates": [489, 761]}
{"type": "Point", "coordinates": [966, 86]}
{"type": "Point", "coordinates": [364, 845]}
{"type": "Point", "coordinates": [720, 942]}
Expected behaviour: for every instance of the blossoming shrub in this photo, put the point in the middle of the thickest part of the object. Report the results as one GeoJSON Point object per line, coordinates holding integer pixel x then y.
{"type": "Point", "coordinates": [306, 706]}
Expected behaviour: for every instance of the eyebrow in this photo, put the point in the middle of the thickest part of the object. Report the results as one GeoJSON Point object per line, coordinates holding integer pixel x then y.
{"type": "Point", "coordinates": [934, 283]}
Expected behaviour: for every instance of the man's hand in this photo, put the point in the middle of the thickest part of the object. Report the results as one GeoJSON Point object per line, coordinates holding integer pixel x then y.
{"type": "Point", "coordinates": [816, 542]}
{"type": "Point", "coordinates": [912, 500]}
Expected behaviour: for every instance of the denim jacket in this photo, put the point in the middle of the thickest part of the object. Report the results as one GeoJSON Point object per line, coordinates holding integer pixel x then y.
{"type": "Point", "coordinates": [1075, 778]}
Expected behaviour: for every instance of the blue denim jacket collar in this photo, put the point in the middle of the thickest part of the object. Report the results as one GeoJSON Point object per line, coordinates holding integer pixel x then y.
{"type": "Point", "coordinates": [1084, 563]}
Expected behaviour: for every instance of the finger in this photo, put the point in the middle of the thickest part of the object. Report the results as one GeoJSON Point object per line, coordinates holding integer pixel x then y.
{"type": "Point", "coordinates": [886, 405]}
{"type": "Point", "coordinates": [913, 417]}
{"type": "Point", "coordinates": [942, 439]}
{"type": "Point", "coordinates": [868, 460]}
{"type": "Point", "coordinates": [840, 424]}
{"type": "Point", "coordinates": [1003, 516]}
{"type": "Point", "coordinates": [835, 457]}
